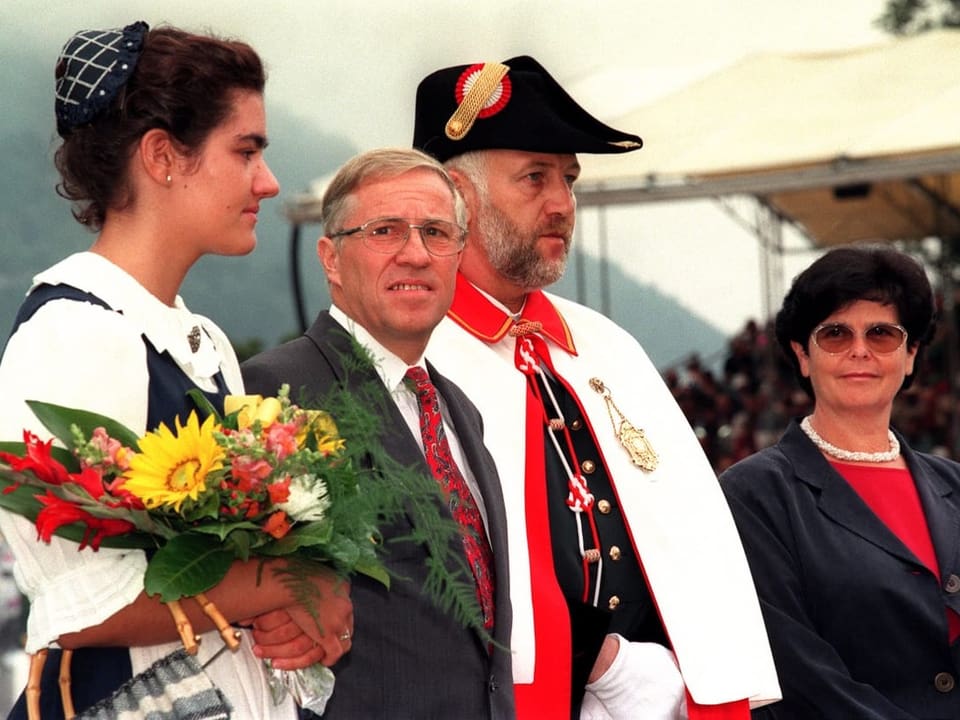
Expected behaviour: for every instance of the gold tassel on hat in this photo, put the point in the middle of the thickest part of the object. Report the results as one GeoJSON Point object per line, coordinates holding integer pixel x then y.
{"type": "Point", "coordinates": [486, 83]}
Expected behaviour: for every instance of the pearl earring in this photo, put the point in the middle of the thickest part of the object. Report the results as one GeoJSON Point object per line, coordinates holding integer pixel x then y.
{"type": "Point", "coordinates": [169, 179]}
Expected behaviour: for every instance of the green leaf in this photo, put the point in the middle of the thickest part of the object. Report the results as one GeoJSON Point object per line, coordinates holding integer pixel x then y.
{"type": "Point", "coordinates": [206, 506]}
{"type": "Point", "coordinates": [222, 529]}
{"type": "Point", "coordinates": [374, 570]}
{"type": "Point", "coordinates": [343, 551]}
{"type": "Point", "coordinates": [58, 420]}
{"type": "Point", "coordinates": [21, 500]}
{"type": "Point", "coordinates": [313, 535]}
{"type": "Point", "coordinates": [188, 564]}
{"type": "Point", "coordinates": [203, 404]}
{"type": "Point", "coordinates": [243, 541]}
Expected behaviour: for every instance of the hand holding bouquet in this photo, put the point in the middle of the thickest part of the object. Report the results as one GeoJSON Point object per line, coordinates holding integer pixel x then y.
{"type": "Point", "coordinates": [268, 480]}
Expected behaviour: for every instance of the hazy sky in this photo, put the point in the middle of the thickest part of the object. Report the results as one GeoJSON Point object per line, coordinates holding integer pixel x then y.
{"type": "Point", "coordinates": [352, 69]}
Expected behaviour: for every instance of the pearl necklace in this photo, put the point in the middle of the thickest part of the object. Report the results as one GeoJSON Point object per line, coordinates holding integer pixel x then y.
{"type": "Point", "coordinates": [852, 456]}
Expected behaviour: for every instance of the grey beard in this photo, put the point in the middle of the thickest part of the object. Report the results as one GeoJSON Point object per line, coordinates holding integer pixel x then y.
{"type": "Point", "coordinates": [513, 256]}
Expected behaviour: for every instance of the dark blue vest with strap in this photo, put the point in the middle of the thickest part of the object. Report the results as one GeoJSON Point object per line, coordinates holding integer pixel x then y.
{"type": "Point", "coordinates": [97, 672]}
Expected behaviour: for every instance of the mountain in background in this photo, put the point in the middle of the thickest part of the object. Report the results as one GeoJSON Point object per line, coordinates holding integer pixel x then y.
{"type": "Point", "coordinates": [250, 297]}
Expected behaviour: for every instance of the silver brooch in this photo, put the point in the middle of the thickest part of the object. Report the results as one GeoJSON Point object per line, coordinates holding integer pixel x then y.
{"type": "Point", "coordinates": [193, 337]}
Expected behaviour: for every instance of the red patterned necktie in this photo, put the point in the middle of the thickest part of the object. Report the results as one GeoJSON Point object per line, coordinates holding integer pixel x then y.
{"type": "Point", "coordinates": [462, 505]}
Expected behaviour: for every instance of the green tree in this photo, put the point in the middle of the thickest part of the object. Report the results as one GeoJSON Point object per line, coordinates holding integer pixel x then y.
{"type": "Point", "coordinates": [909, 17]}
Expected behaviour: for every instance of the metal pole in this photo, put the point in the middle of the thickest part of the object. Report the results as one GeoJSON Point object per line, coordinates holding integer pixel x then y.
{"type": "Point", "coordinates": [604, 262]}
{"type": "Point", "coordinates": [579, 265]}
{"type": "Point", "coordinates": [948, 247]}
{"type": "Point", "coordinates": [295, 281]}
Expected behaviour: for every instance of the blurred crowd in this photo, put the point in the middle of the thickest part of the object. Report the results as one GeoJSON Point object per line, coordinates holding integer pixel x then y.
{"type": "Point", "coordinates": [748, 400]}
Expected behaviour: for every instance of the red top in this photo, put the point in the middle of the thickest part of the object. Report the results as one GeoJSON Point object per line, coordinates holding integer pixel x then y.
{"type": "Point", "coordinates": [892, 495]}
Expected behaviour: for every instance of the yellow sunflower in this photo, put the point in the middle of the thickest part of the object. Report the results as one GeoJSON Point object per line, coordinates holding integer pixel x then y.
{"type": "Point", "coordinates": [172, 467]}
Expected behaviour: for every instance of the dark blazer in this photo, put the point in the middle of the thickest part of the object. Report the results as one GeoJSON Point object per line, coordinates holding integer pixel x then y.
{"type": "Point", "coordinates": [857, 624]}
{"type": "Point", "coordinates": [408, 659]}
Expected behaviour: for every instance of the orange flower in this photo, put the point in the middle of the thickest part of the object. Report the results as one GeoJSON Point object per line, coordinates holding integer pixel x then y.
{"type": "Point", "coordinates": [277, 524]}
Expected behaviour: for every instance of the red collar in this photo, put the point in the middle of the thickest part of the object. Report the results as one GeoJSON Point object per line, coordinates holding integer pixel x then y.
{"type": "Point", "coordinates": [472, 311]}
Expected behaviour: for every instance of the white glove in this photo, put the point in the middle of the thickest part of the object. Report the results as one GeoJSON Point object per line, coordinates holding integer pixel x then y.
{"type": "Point", "coordinates": [592, 709]}
{"type": "Point", "coordinates": [643, 681]}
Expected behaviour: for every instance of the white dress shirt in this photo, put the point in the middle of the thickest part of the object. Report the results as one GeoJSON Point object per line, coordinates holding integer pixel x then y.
{"type": "Point", "coordinates": [392, 370]}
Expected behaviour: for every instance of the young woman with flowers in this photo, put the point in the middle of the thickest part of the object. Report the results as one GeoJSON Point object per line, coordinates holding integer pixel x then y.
{"type": "Point", "coordinates": [162, 155]}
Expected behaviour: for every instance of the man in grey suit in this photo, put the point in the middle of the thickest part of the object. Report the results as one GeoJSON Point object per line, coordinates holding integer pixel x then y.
{"type": "Point", "coordinates": [394, 228]}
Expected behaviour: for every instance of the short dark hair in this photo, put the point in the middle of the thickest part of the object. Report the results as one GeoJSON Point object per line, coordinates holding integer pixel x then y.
{"type": "Point", "coordinates": [183, 83]}
{"type": "Point", "coordinates": [847, 274]}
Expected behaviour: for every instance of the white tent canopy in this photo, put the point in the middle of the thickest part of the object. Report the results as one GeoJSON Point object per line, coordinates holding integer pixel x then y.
{"type": "Point", "coordinates": [862, 144]}
{"type": "Point", "coordinates": [850, 145]}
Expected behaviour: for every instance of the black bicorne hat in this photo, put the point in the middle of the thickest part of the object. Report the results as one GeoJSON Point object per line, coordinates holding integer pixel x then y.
{"type": "Point", "coordinates": [92, 67]}
{"type": "Point", "coordinates": [514, 105]}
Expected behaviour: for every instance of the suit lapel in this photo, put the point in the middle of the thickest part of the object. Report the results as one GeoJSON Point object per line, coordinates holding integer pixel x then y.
{"type": "Point", "coordinates": [838, 500]}
{"type": "Point", "coordinates": [939, 508]}
{"type": "Point", "coordinates": [336, 345]}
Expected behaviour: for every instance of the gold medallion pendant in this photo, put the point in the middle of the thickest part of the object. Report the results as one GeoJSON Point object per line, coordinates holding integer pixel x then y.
{"type": "Point", "coordinates": [631, 438]}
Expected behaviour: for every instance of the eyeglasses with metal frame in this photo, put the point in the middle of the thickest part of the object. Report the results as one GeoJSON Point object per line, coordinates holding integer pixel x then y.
{"type": "Point", "coordinates": [837, 338]}
{"type": "Point", "coordinates": [388, 235]}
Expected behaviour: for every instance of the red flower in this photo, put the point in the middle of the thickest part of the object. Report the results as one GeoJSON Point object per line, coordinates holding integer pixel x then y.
{"type": "Point", "coordinates": [90, 480]}
{"type": "Point", "coordinates": [38, 461]}
{"type": "Point", "coordinates": [124, 498]}
{"type": "Point", "coordinates": [58, 512]}
{"type": "Point", "coordinates": [279, 491]}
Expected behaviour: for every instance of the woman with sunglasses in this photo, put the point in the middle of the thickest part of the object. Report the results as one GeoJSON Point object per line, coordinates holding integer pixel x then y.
{"type": "Point", "coordinates": [853, 538]}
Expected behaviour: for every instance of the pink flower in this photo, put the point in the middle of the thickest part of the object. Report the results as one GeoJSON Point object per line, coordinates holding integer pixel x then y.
{"type": "Point", "coordinates": [111, 449]}
{"type": "Point", "coordinates": [281, 439]}
{"type": "Point", "coordinates": [249, 472]}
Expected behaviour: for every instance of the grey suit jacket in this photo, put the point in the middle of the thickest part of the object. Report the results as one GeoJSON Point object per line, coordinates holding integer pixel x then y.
{"type": "Point", "coordinates": [408, 659]}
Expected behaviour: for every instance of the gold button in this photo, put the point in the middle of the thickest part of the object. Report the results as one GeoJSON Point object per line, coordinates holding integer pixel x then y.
{"type": "Point", "coordinates": [604, 507]}
{"type": "Point", "coordinates": [614, 553]}
{"type": "Point", "coordinates": [614, 603]}
{"type": "Point", "coordinates": [944, 682]}
{"type": "Point", "coordinates": [952, 585]}
{"type": "Point", "coordinates": [576, 424]}
{"type": "Point", "coordinates": [588, 466]}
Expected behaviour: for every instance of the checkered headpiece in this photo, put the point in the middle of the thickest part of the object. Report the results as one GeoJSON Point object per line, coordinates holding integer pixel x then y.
{"type": "Point", "coordinates": [91, 69]}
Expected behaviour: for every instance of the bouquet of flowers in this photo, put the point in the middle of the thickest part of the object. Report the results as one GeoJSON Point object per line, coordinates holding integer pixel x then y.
{"type": "Point", "coordinates": [269, 479]}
